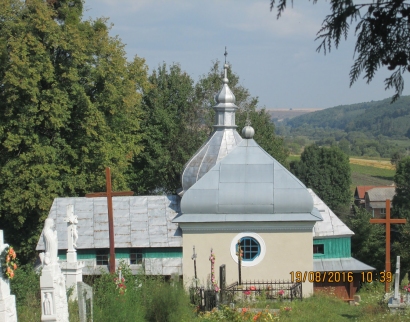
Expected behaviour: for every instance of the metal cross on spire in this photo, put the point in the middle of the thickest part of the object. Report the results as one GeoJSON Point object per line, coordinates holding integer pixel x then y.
{"type": "Point", "coordinates": [225, 54]}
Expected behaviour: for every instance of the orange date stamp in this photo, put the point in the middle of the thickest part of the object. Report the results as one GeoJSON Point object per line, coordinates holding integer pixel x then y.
{"type": "Point", "coordinates": [321, 277]}
{"type": "Point", "coordinates": [340, 277]}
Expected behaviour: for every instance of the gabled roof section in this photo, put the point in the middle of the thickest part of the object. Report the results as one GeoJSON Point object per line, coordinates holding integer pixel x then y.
{"type": "Point", "coordinates": [249, 184]}
{"type": "Point", "coordinates": [361, 190]}
{"type": "Point", "coordinates": [381, 193]}
{"type": "Point", "coordinates": [349, 264]}
{"type": "Point", "coordinates": [331, 226]}
{"type": "Point", "coordinates": [139, 221]}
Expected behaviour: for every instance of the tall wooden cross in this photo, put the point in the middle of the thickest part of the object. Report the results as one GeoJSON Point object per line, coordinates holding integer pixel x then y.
{"type": "Point", "coordinates": [109, 194]}
{"type": "Point", "coordinates": [387, 221]}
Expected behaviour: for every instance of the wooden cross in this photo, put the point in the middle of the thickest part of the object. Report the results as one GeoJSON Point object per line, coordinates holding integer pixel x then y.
{"type": "Point", "coordinates": [387, 221]}
{"type": "Point", "coordinates": [109, 194]}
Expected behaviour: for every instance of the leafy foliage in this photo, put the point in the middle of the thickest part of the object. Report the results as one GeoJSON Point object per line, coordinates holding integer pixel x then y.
{"type": "Point", "coordinates": [172, 131]}
{"type": "Point", "coordinates": [327, 172]}
{"type": "Point", "coordinates": [401, 200]}
{"type": "Point", "coordinates": [382, 34]}
{"type": "Point", "coordinates": [368, 241]}
{"type": "Point", "coordinates": [70, 106]}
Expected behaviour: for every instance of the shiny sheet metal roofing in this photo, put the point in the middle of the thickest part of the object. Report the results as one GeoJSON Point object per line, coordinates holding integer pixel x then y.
{"type": "Point", "coordinates": [348, 264]}
{"type": "Point", "coordinates": [223, 139]}
{"type": "Point", "coordinates": [141, 221]}
{"type": "Point", "coordinates": [252, 186]}
{"type": "Point", "coordinates": [331, 224]}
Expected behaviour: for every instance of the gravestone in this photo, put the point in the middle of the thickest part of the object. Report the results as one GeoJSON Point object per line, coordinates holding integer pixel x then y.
{"type": "Point", "coordinates": [7, 302]}
{"type": "Point", "coordinates": [52, 282]}
{"type": "Point", "coordinates": [222, 282]}
{"type": "Point", "coordinates": [394, 302]}
{"type": "Point", "coordinates": [85, 302]}
{"type": "Point", "coordinates": [72, 269]}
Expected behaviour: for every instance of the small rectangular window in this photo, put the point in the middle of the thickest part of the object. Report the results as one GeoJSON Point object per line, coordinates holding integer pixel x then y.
{"type": "Point", "coordinates": [102, 257]}
{"type": "Point", "coordinates": [382, 211]}
{"type": "Point", "coordinates": [136, 257]}
{"type": "Point", "coordinates": [319, 249]}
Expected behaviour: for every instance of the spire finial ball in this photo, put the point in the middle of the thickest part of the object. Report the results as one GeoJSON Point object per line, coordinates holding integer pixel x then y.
{"type": "Point", "coordinates": [248, 132]}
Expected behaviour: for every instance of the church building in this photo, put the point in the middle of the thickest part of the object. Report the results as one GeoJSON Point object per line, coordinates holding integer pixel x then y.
{"type": "Point", "coordinates": [232, 191]}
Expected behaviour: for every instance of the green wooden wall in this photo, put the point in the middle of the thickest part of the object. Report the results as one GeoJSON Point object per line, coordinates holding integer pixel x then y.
{"type": "Point", "coordinates": [334, 247]}
{"type": "Point", "coordinates": [157, 252]}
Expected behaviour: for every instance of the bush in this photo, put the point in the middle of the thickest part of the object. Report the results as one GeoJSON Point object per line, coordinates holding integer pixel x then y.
{"type": "Point", "coordinates": [25, 284]}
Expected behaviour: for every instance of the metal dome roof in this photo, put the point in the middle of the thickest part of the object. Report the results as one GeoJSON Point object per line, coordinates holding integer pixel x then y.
{"type": "Point", "coordinates": [222, 140]}
{"type": "Point", "coordinates": [248, 185]}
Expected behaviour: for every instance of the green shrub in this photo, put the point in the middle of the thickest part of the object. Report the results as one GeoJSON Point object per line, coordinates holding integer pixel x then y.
{"type": "Point", "coordinates": [25, 285]}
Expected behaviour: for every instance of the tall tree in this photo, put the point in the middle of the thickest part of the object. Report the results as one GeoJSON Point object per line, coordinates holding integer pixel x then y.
{"type": "Point", "coordinates": [172, 131]}
{"type": "Point", "coordinates": [368, 242]}
{"type": "Point", "coordinates": [69, 104]}
{"type": "Point", "coordinates": [382, 34]}
{"type": "Point", "coordinates": [327, 172]}
{"type": "Point", "coordinates": [401, 200]}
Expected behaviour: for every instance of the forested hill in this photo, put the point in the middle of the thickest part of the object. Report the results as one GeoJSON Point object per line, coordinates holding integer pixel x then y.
{"type": "Point", "coordinates": [380, 117]}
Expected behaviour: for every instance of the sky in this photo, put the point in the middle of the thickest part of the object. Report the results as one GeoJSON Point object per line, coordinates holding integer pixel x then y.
{"type": "Point", "coordinates": [275, 59]}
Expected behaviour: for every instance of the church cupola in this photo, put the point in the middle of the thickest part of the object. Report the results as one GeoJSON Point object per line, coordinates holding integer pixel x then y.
{"type": "Point", "coordinates": [223, 139]}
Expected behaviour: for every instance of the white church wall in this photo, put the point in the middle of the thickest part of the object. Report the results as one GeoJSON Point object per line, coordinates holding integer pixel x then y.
{"type": "Point", "coordinates": [286, 252]}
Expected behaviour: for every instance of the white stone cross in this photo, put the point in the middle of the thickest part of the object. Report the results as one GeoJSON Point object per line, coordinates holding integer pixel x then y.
{"type": "Point", "coordinates": [397, 280]}
{"type": "Point", "coordinates": [72, 234]}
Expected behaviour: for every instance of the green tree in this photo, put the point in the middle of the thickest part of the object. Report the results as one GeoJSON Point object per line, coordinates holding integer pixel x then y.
{"type": "Point", "coordinates": [368, 242]}
{"type": "Point", "coordinates": [382, 34]}
{"type": "Point", "coordinates": [395, 158]}
{"type": "Point", "coordinates": [327, 172]}
{"type": "Point", "coordinates": [70, 106]}
{"type": "Point", "coordinates": [172, 131]}
{"type": "Point", "coordinates": [401, 200]}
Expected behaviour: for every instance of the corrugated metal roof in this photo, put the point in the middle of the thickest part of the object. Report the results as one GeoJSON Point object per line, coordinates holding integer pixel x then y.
{"type": "Point", "coordinates": [381, 193]}
{"type": "Point", "coordinates": [331, 224]}
{"type": "Point", "coordinates": [140, 221]}
{"type": "Point", "coordinates": [248, 181]}
{"type": "Point", "coordinates": [349, 264]}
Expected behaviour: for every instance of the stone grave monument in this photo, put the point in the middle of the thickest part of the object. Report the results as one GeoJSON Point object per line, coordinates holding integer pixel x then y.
{"type": "Point", "coordinates": [7, 302]}
{"type": "Point", "coordinates": [52, 282]}
{"type": "Point", "coordinates": [395, 301]}
{"type": "Point", "coordinates": [72, 269]}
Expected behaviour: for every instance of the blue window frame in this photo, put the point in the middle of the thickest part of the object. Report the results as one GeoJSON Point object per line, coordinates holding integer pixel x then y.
{"type": "Point", "coordinates": [250, 248]}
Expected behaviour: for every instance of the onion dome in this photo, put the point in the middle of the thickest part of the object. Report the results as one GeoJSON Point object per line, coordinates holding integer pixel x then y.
{"type": "Point", "coordinates": [223, 139]}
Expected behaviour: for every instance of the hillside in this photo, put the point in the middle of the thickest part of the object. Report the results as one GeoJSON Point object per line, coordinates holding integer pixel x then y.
{"type": "Point", "coordinates": [280, 114]}
{"type": "Point", "coordinates": [374, 118]}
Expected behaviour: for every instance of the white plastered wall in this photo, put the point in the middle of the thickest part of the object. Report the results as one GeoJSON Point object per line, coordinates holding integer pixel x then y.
{"type": "Point", "coordinates": [286, 252]}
